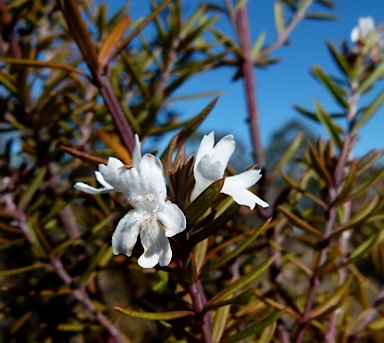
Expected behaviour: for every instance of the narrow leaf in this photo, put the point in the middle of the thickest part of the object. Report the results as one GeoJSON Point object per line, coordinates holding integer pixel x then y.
{"type": "Point", "coordinates": [366, 246]}
{"type": "Point", "coordinates": [299, 222]}
{"type": "Point", "coordinates": [154, 315]}
{"type": "Point", "coordinates": [279, 16]}
{"type": "Point", "coordinates": [219, 323]}
{"type": "Point", "coordinates": [332, 301]}
{"type": "Point", "coordinates": [342, 62]}
{"type": "Point", "coordinates": [222, 214]}
{"type": "Point", "coordinates": [203, 202]}
{"type": "Point", "coordinates": [80, 33]}
{"type": "Point", "coordinates": [333, 130]}
{"type": "Point", "coordinates": [139, 28]}
{"type": "Point", "coordinates": [359, 217]}
{"type": "Point", "coordinates": [376, 74]}
{"type": "Point", "coordinates": [254, 328]}
{"type": "Point", "coordinates": [337, 92]}
{"type": "Point", "coordinates": [83, 156]}
{"type": "Point", "coordinates": [194, 123]}
{"type": "Point", "coordinates": [117, 148]}
{"type": "Point", "coordinates": [242, 282]}
{"type": "Point", "coordinates": [369, 111]}
{"type": "Point", "coordinates": [112, 39]}
{"type": "Point", "coordinates": [6, 272]}
{"type": "Point", "coordinates": [41, 64]}
{"type": "Point", "coordinates": [287, 155]}
{"type": "Point", "coordinates": [32, 188]}
{"type": "Point", "coordinates": [238, 250]}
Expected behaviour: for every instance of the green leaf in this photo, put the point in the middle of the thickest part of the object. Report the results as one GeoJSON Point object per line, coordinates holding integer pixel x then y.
{"type": "Point", "coordinates": [342, 62]}
{"type": "Point", "coordinates": [220, 216]}
{"type": "Point", "coordinates": [279, 16]}
{"type": "Point", "coordinates": [367, 184]}
{"type": "Point", "coordinates": [254, 328]}
{"type": "Point", "coordinates": [231, 300]}
{"type": "Point", "coordinates": [238, 250]}
{"type": "Point", "coordinates": [219, 323]}
{"type": "Point", "coordinates": [80, 33]}
{"type": "Point", "coordinates": [242, 282]}
{"type": "Point", "coordinates": [192, 125]}
{"type": "Point", "coordinates": [366, 246]}
{"type": "Point", "coordinates": [143, 23]}
{"type": "Point", "coordinates": [368, 111]}
{"type": "Point", "coordinates": [154, 315]}
{"type": "Point", "coordinates": [306, 113]}
{"type": "Point", "coordinates": [319, 165]}
{"type": "Point", "coordinates": [104, 252]}
{"type": "Point", "coordinates": [337, 92]}
{"type": "Point", "coordinates": [332, 301]}
{"type": "Point", "coordinates": [333, 129]}
{"type": "Point", "coordinates": [7, 272]}
{"type": "Point", "coordinates": [189, 273]}
{"type": "Point", "coordinates": [258, 45]}
{"type": "Point", "coordinates": [372, 77]}
{"type": "Point", "coordinates": [32, 188]}
{"type": "Point", "coordinates": [203, 202]}
{"type": "Point", "coordinates": [287, 155]}
{"type": "Point", "coordinates": [321, 16]}
{"type": "Point", "coordinates": [240, 4]}
{"type": "Point", "coordinates": [299, 222]}
{"type": "Point", "coordinates": [361, 216]}
{"type": "Point", "coordinates": [41, 64]}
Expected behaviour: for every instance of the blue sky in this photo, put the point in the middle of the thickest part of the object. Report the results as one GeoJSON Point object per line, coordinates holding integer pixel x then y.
{"type": "Point", "coordinates": [282, 85]}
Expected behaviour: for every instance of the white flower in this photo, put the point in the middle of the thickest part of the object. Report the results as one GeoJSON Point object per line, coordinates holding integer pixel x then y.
{"type": "Point", "coordinates": [152, 217]}
{"type": "Point", "coordinates": [364, 27]}
{"type": "Point", "coordinates": [210, 165]}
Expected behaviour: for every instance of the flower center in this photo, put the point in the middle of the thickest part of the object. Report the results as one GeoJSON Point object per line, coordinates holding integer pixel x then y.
{"type": "Point", "coordinates": [146, 203]}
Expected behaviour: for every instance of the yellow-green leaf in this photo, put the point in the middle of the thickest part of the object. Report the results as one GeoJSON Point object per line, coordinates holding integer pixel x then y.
{"type": "Point", "coordinates": [242, 282]}
{"type": "Point", "coordinates": [112, 39]}
{"type": "Point", "coordinates": [154, 315]}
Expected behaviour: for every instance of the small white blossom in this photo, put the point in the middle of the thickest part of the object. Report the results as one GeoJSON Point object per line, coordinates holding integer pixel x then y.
{"type": "Point", "coordinates": [364, 26]}
{"type": "Point", "coordinates": [153, 217]}
{"type": "Point", "coordinates": [210, 164]}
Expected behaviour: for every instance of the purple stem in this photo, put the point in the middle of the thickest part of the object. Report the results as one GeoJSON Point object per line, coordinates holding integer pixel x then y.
{"type": "Point", "coordinates": [199, 302]}
{"type": "Point", "coordinates": [82, 296]}
{"type": "Point", "coordinates": [249, 83]}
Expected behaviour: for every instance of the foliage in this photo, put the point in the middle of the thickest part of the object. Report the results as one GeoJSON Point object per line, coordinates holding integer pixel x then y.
{"type": "Point", "coordinates": [75, 85]}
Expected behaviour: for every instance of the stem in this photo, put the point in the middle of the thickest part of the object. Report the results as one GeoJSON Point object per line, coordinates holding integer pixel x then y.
{"type": "Point", "coordinates": [82, 37]}
{"type": "Point", "coordinates": [340, 172]}
{"type": "Point", "coordinates": [112, 103]}
{"type": "Point", "coordinates": [284, 34]}
{"type": "Point", "coordinates": [82, 296]}
{"type": "Point", "coordinates": [199, 301]}
{"type": "Point", "coordinates": [249, 84]}
{"type": "Point", "coordinates": [342, 169]}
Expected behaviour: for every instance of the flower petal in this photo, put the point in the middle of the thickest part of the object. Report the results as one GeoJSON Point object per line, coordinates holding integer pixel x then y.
{"type": "Point", "coordinates": [110, 172]}
{"type": "Point", "coordinates": [224, 149]}
{"type": "Point", "coordinates": [156, 246]}
{"type": "Point", "coordinates": [172, 218]}
{"type": "Point", "coordinates": [205, 148]}
{"type": "Point", "coordinates": [125, 235]}
{"type": "Point", "coordinates": [245, 179]}
{"type": "Point", "coordinates": [206, 172]}
{"type": "Point", "coordinates": [136, 155]}
{"type": "Point", "coordinates": [143, 180]}
{"type": "Point", "coordinates": [236, 186]}
{"type": "Point", "coordinates": [91, 190]}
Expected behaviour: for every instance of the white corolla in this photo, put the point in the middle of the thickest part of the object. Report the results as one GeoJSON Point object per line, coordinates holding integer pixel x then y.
{"type": "Point", "coordinates": [152, 217]}
{"type": "Point", "coordinates": [210, 164]}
